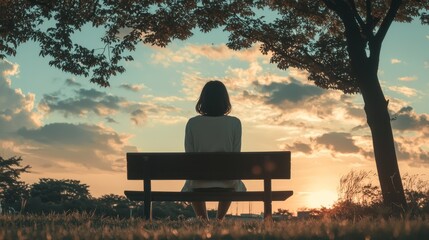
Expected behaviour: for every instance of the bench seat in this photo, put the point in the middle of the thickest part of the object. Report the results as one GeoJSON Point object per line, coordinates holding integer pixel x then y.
{"type": "Point", "coordinates": [209, 196]}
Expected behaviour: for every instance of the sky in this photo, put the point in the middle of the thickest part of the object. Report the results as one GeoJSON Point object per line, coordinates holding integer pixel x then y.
{"type": "Point", "coordinates": [68, 128]}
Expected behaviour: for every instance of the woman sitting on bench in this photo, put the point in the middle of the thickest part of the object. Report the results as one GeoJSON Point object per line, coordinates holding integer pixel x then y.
{"type": "Point", "coordinates": [213, 131]}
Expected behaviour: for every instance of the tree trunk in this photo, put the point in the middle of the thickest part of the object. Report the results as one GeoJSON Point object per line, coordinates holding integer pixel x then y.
{"type": "Point", "coordinates": [378, 119]}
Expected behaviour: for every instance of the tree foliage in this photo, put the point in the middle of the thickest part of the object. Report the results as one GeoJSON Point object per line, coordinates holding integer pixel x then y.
{"type": "Point", "coordinates": [305, 34]}
{"type": "Point", "coordinates": [59, 191]}
{"type": "Point", "coordinates": [13, 192]}
{"type": "Point", "coordinates": [59, 195]}
{"type": "Point", "coordinates": [10, 171]}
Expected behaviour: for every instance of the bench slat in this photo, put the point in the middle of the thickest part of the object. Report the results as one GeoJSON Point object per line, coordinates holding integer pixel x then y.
{"type": "Point", "coordinates": [209, 196]}
{"type": "Point", "coordinates": [208, 166]}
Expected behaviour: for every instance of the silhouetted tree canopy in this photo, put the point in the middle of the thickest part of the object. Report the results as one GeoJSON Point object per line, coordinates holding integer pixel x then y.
{"type": "Point", "coordinates": [10, 171]}
{"type": "Point", "coordinates": [113, 205]}
{"type": "Point", "coordinates": [59, 191]}
{"type": "Point", "coordinates": [305, 34]}
{"type": "Point", "coordinates": [12, 190]}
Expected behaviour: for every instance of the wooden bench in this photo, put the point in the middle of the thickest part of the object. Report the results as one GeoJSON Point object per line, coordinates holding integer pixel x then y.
{"type": "Point", "coordinates": [208, 166]}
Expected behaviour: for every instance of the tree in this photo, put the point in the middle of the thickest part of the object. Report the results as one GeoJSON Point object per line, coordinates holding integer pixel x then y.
{"type": "Point", "coordinates": [16, 196]}
{"type": "Point", "coordinates": [283, 213]}
{"type": "Point", "coordinates": [58, 191]}
{"type": "Point", "coordinates": [13, 193]}
{"type": "Point", "coordinates": [175, 211]}
{"type": "Point", "coordinates": [114, 205]}
{"type": "Point", "coordinates": [53, 195]}
{"type": "Point", "coordinates": [337, 42]}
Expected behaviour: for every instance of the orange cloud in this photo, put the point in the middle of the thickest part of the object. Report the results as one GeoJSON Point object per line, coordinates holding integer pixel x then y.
{"type": "Point", "coordinates": [192, 53]}
{"type": "Point", "coordinates": [395, 61]}
{"type": "Point", "coordinates": [409, 92]}
{"type": "Point", "coordinates": [408, 78]}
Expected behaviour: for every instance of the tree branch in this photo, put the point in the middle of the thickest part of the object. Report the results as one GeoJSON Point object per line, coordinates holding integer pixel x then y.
{"type": "Point", "coordinates": [356, 14]}
{"type": "Point", "coordinates": [387, 21]}
{"type": "Point", "coordinates": [331, 5]}
{"type": "Point", "coordinates": [369, 18]}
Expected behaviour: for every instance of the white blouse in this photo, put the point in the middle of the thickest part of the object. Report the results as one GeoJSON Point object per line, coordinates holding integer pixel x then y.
{"type": "Point", "coordinates": [213, 134]}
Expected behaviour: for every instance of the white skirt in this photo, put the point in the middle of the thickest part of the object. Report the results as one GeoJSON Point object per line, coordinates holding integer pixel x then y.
{"type": "Point", "coordinates": [237, 185]}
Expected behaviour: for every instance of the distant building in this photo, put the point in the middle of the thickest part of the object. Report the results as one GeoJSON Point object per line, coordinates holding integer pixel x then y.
{"type": "Point", "coordinates": [282, 217]}
{"type": "Point", "coordinates": [245, 216]}
{"type": "Point", "coordinates": [303, 214]}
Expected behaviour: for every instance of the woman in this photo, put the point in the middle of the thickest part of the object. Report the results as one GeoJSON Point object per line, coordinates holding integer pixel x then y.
{"type": "Point", "coordinates": [213, 131]}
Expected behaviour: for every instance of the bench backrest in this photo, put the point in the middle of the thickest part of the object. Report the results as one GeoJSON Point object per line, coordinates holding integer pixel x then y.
{"type": "Point", "coordinates": [208, 166]}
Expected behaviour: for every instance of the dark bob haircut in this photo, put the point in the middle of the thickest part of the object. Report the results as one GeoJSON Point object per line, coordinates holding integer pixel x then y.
{"type": "Point", "coordinates": [214, 100]}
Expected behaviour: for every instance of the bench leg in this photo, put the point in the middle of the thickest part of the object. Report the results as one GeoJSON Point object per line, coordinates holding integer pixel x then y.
{"type": "Point", "coordinates": [147, 199]}
{"type": "Point", "coordinates": [148, 210]}
{"type": "Point", "coordinates": [268, 210]}
{"type": "Point", "coordinates": [268, 199]}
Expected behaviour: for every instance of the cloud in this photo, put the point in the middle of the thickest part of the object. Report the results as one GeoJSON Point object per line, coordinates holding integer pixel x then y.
{"type": "Point", "coordinates": [132, 87]}
{"type": "Point", "coordinates": [165, 99]}
{"type": "Point", "coordinates": [407, 150]}
{"type": "Point", "coordinates": [409, 92]}
{"type": "Point", "coordinates": [16, 108]}
{"type": "Point", "coordinates": [110, 120]}
{"type": "Point", "coordinates": [192, 53]}
{"type": "Point", "coordinates": [84, 101]}
{"type": "Point", "coordinates": [408, 78]}
{"type": "Point", "coordinates": [72, 83]}
{"type": "Point", "coordinates": [340, 142]}
{"type": "Point", "coordinates": [298, 147]}
{"type": "Point", "coordinates": [395, 61]}
{"type": "Point", "coordinates": [333, 143]}
{"type": "Point", "coordinates": [355, 112]}
{"type": "Point", "coordinates": [300, 75]}
{"type": "Point", "coordinates": [54, 146]}
{"type": "Point", "coordinates": [407, 120]}
{"type": "Point", "coordinates": [411, 136]}
{"type": "Point", "coordinates": [166, 56]}
{"type": "Point", "coordinates": [293, 92]}
{"type": "Point", "coordinates": [138, 116]}
{"type": "Point", "coordinates": [222, 52]}
{"type": "Point", "coordinates": [86, 145]}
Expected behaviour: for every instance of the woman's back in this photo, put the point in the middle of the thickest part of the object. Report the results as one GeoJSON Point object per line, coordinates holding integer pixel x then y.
{"type": "Point", "coordinates": [213, 134]}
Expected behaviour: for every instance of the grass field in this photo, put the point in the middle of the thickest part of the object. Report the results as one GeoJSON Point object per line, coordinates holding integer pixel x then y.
{"type": "Point", "coordinates": [84, 226]}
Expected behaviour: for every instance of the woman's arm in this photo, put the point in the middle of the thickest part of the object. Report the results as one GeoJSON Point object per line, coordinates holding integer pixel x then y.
{"type": "Point", "coordinates": [189, 143]}
{"type": "Point", "coordinates": [237, 137]}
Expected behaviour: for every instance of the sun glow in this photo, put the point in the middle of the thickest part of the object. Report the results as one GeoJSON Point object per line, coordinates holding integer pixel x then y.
{"type": "Point", "coordinates": [318, 199]}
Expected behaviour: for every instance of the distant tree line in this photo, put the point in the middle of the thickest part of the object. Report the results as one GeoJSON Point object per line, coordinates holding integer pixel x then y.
{"type": "Point", "coordinates": [66, 195]}
{"type": "Point", "coordinates": [358, 198]}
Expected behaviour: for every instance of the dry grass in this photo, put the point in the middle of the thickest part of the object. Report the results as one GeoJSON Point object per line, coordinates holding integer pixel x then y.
{"type": "Point", "coordinates": [84, 226]}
